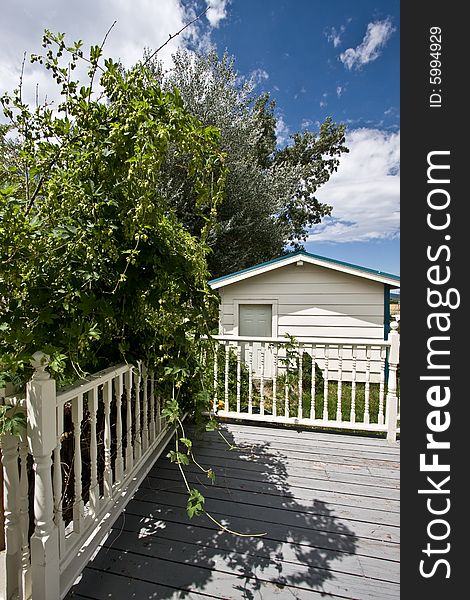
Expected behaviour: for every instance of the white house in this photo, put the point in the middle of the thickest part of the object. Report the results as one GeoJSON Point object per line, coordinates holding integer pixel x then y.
{"type": "Point", "coordinates": [307, 296]}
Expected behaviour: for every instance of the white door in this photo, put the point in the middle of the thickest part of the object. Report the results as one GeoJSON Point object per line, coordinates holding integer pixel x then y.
{"type": "Point", "coordinates": [255, 320]}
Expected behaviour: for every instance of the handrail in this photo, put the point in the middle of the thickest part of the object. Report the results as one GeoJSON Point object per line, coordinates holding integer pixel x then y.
{"type": "Point", "coordinates": [85, 385]}
{"type": "Point", "coordinates": [304, 340]}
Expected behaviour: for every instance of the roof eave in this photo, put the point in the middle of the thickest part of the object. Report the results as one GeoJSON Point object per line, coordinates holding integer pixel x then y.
{"type": "Point", "coordinates": [291, 258]}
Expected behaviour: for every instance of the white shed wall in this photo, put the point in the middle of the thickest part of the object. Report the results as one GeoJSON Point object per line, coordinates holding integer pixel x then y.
{"type": "Point", "coordinates": [311, 301]}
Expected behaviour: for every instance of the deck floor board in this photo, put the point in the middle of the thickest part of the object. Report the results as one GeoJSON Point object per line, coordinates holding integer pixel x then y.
{"type": "Point", "coordinates": [327, 503]}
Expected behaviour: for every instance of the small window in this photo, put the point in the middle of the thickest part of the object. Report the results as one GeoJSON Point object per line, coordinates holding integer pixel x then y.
{"type": "Point", "coordinates": [255, 320]}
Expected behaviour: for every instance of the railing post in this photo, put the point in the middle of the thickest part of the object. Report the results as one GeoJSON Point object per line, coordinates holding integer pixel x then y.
{"type": "Point", "coordinates": [393, 359]}
{"type": "Point", "coordinates": [42, 439]}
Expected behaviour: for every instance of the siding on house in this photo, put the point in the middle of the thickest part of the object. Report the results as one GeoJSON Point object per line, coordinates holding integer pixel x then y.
{"type": "Point", "coordinates": [312, 301]}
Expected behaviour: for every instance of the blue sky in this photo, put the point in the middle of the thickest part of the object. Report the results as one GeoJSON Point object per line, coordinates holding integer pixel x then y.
{"type": "Point", "coordinates": [317, 58]}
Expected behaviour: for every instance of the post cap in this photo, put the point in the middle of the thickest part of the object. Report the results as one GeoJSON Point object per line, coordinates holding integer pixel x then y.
{"type": "Point", "coordinates": [39, 361]}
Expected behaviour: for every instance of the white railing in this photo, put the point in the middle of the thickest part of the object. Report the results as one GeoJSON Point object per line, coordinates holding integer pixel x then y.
{"type": "Point", "coordinates": [91, 445]}
{"type": "Point", "coordinates": [333, 383]}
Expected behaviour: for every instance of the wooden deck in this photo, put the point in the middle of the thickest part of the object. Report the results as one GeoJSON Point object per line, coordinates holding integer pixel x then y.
{"type": "Point", "coordinates": [329, 505]}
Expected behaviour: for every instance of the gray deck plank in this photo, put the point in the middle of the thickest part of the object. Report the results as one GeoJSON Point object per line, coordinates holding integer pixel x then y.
{"type": "Point", "coordinates": [266, 515]}
{"type": "Point", "coordinates": [302, 576]}
{"type": "Point", "coordinates": [259, 501]}
{"type": "Point", "coordinates": [305, 459]}
{"type": "Point", "coordinates": [231, 578]}
{"type": "Point", "coordinates": [294, 432]}
{"type": "Point", "coordinates": [166, 476]}
{"type": "Point", "coordinates": [328, 504]}
{"type": "Point", "coordinates": [341, 540]}
{"type": "Point", "coordinates": [317, 472]}
{"type": "Point", "coordinates": [207, 538]}
{"type": "Point", "coordinates": [296, 475]}
{"type": "Point", "coordinates": [302, 444]}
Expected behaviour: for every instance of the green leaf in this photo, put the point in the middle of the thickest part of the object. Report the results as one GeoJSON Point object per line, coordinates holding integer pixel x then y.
{"type": "Point", "coordinates": [12, 420]}
{"type": "Point", "coordinates": [212, 425]}
{"type": "Point", "coordinates": [187, 442]}
{"type": "Point", "coordinates": [195, 504]}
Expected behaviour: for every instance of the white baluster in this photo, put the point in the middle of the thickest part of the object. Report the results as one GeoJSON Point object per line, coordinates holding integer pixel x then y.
{"type": "Point", "coordinates": [94, 487]}
{"type": "Point", "coordinates": [145, 416]}
{"type": "Point", "coordinates": [11, 492]}
{"type": "Point", "coordinates": [216, 368]}
{"type": "Point", "coordinates": [108, 472]}
{"type": "Point", "coordinates": [57, 480]}
{"type": "Point", "coordinates": [367, 387]}
{"type": "Point", "coordinates": [152, 407]}
{"type": "Point", "coordinates": [262, 359]}
{"type": "Point", "coordinates": [129, 448]}
{"type": "Point", "coordinates": [313, 384]}
{"type": "Point", "coordinates": [226, 374]}
{"type": "Point", "coordinates": [325, 384]}
{"type": "Point", "coordinates": [353, 384]}
{"type": "Point", "coordinates": [299, 408]}
{"type": "Point", "coordinates": [250, 380]}
{"type": "Point", "coordinates": [24, 519]}
{"type": "Point", "coordinates": [119, 462]}
{"type": "Point", "coordinates": [286, 389]}
{"type": "Point", "coordinates": [381, 418]}
{"type": "Point", "coordinates": [340, 384]}
{"type": "Point", "coordinates": [138, 416]}
{"type": "Point", "coordinates": [78, 506]}
{"type": "Point", "coordinates": [239, 377]}
{"type": "Point", "coordinates": [158, 410]}
{"type": "Point", "coordinates": [275, 369]}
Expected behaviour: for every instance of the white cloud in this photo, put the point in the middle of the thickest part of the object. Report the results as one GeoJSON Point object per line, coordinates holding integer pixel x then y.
{"type": "Point", "coordinates": [282, 131]}
{"type": "Point", "coordinates": [140, 24]}
{"type": "Point", "coordinates": [377, 35]}
{"type": "Point", "coordinates": [334, 36]}
{"type": "Point", "coordinates": [258, 75]}
{"type": "Point", "coordinates": [217, 11]}
{"type": "Point", "coordinates": [365, 191]}
{"type": "Point", "coordinates": [339, 90]}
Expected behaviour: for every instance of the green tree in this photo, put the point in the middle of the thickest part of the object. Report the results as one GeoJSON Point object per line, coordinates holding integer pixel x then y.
{"type": "Point", "coordinates": [96, 266]}
{"type": "Point", "coordinates": [269, 200]}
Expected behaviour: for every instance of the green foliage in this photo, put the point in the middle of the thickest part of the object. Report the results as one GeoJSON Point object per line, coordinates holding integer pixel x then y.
{"type": "Point", "coordinates": [232, 375]}
{"type": "Point", "coordinates": [195, 504]}
{"type": "Point", "coordinates": [291, 363]}
{"type": "Point", "coordinates": [97, 266]}
{"type": "Point", "coordinates": [12, 420]}
{"type": "Point", "coordinates": [269, 200]}
{"type": "Point", "coordinates": [211, 425]}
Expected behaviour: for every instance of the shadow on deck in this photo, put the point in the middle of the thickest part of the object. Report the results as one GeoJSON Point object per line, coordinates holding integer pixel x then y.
{"type": "Point", "coordinates": [327, 503]}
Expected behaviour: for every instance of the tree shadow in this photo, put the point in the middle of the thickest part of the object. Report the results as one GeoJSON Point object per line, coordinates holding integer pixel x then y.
{"type": "Point", "coordinates": [159, 553]}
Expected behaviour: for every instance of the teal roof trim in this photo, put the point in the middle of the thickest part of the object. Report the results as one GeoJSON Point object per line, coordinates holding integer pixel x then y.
{"type": "Point", "coordinates": [303, 253]}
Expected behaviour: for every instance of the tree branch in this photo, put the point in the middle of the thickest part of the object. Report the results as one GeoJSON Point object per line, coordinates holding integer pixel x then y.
{"type": "Point", "coordinates": [96, 66]}
{"type": "Point", "coordinates": [170, 37]}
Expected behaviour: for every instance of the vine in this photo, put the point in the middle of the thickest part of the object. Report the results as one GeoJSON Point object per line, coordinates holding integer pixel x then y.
{"type": "Point", "coordinates": [96, 266]}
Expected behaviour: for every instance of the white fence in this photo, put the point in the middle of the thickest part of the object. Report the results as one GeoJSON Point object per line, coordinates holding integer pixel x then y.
{"type": "Point", "coordinates": [91, 446]}
{"type": "Point", "coordinates": [351, 384]}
